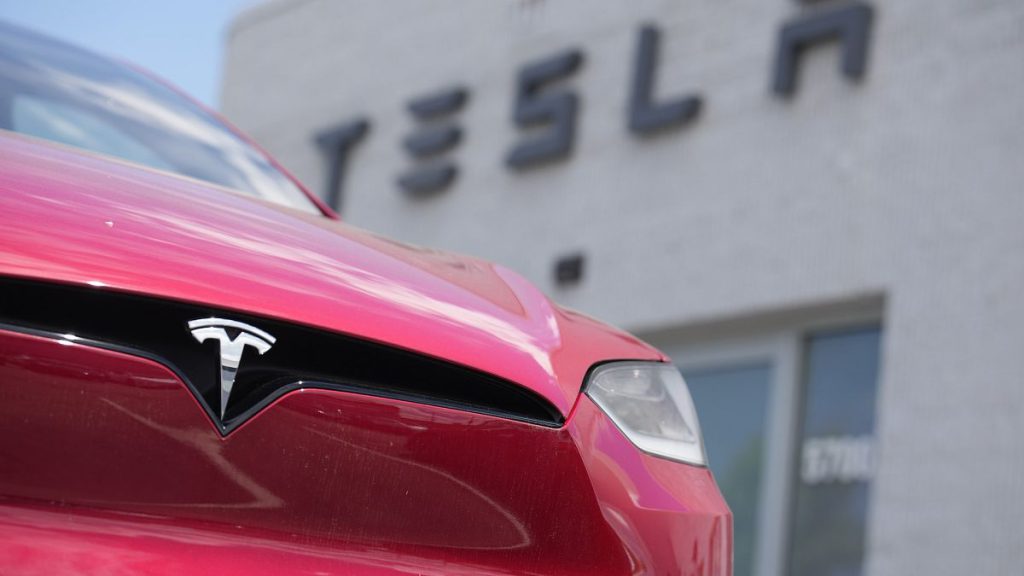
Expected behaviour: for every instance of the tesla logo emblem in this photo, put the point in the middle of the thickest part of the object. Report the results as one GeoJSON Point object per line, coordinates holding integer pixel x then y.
{"type": "Point", "coordinates": [231, 350]}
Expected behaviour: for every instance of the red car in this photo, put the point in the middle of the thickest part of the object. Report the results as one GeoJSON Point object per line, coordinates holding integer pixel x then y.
{"type": "Point", "coordinates": [203, 371]}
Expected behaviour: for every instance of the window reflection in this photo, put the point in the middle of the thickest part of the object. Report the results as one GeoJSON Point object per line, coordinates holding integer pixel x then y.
{"type": "Point", "coordinates": [836, 453]}
{"type": "Point", "coordinates": [52, 90]}
{"type": "Point", "coordinates": [64, 124]}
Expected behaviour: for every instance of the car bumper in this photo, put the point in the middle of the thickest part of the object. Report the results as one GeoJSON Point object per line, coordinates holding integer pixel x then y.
{"type": "Point", "coordinates": [120, 470]}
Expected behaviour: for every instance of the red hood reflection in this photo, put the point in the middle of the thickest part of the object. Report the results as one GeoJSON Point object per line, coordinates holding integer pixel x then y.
{"type": "Point", "coordinates": [87, 220]}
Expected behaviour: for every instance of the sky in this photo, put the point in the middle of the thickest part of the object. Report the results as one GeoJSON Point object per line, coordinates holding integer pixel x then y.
{"type": "Point", "coordinates": [181, 41]}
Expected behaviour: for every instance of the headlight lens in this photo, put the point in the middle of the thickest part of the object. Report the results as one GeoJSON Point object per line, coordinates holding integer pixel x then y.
{"type": "Point", "coordinates": [650, 403]}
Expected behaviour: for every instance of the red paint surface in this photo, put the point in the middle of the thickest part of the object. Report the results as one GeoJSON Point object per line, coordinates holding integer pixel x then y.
{"type": "Point", "coordinates": [108, 464]}
{"type": "Point", "coordinates": [82, 219]}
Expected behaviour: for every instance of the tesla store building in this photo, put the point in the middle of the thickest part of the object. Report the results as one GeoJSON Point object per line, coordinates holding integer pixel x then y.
{"type": "Point", "coordinates": [816, 208]}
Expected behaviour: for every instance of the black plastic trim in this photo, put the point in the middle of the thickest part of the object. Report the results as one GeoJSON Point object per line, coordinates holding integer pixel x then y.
{"type": "Point", "coordinates": [302, 357]}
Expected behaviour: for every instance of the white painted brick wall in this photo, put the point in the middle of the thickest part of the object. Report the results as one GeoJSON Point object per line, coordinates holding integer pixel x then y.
{"type": "Point", "coordinates": [910, 183]}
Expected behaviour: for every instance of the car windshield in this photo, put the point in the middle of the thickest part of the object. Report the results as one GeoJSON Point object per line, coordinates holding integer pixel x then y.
{"type": "Point", "coordinates": [55, 91]}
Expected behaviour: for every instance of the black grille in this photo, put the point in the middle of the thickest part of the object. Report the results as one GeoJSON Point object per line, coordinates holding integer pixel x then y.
{"type": "Point", "coordinates": [302, 357]}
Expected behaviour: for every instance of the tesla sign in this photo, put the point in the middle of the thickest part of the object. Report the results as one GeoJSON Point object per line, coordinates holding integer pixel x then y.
{"type": "Point", "coordinates": [545, 104]}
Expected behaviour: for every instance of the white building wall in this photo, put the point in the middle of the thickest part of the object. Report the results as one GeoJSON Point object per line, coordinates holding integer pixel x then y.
{"type": "Point", "coordinates": [908, 185]}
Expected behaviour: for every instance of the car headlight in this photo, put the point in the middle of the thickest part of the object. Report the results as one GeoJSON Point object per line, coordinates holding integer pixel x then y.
{"type": "Point", "coordinates": [650, 403]}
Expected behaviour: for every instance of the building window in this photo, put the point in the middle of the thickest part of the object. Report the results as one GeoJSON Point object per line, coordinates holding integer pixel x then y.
{"type": "Point", "coordinates": [788, 417]}
{"type": "Point", "coordinates": [837, 453]}
{"type": "Point", "coordinates": [735, 433]}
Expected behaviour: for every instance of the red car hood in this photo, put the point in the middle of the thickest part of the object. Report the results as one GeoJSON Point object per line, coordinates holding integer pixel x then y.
{"type": "Point", "coordinates": [81, 219]}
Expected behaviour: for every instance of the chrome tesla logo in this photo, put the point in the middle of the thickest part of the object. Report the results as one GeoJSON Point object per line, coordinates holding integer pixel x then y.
{"type": "Point", "coordinates": [204, 329]}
